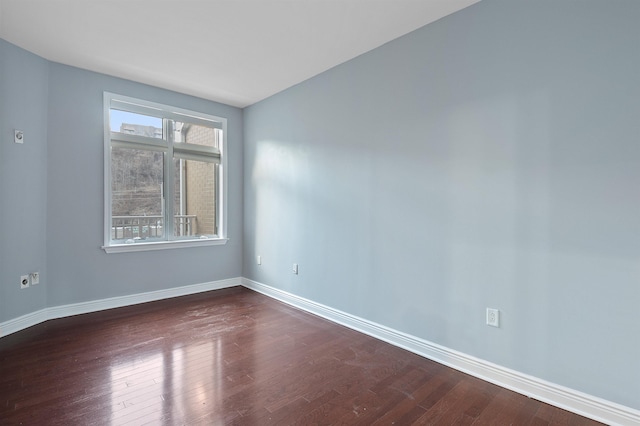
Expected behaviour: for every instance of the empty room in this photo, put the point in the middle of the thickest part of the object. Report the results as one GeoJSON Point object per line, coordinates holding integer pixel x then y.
{"type": "Point", "coordinates": [328, 212]}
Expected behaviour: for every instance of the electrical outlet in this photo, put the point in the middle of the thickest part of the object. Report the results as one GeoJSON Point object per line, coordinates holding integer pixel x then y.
{"type": "Point", "coordinates": [295, 268]}
{"type": "Point", "coordinates": [493, 317]}
{"type": "Point", "coordinates": [24, 281]}
{"type": "Point", "coordinates": [18, 136]}
{"type": "Point", "coordinates": [35, 278]}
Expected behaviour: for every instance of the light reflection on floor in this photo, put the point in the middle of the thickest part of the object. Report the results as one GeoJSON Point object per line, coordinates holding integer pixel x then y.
{"type": "Point", "coordinates": [169, 386]}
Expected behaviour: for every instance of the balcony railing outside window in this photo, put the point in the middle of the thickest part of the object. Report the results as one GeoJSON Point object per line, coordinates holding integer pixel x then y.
{"type": "Point", "coordinates": [127, 227]}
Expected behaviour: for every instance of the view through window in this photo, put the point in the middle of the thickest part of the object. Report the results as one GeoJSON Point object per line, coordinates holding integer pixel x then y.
{"type": "Point", "coordinates": [165, 173]}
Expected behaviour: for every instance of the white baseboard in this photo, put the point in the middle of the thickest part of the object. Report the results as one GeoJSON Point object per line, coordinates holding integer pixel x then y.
{"type": "Point", "coordinates": [572, 400]}
{"type": "Point", "coordinates": [25, 321]}
{"type": "Point", "coordinates": [559, 396]}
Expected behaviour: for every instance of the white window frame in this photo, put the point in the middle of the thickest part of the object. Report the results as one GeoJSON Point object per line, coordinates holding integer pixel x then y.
{"type": "Point", "coordinates": [166, 145]}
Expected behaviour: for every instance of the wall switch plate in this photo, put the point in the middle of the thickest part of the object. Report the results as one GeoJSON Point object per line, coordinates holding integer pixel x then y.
{"type": "Point", "coordinates": [24, 281]}
{"type": "Point", "coordinates": [493, 317]}
{"type": "Point", "coordinates": [35, 278]}
{"type": "Point", "coordinates": [295, 268]}
{"type": "Point", "coordinates": [18, 136]}
{"type": "Point", "coordinates": [259, 260]}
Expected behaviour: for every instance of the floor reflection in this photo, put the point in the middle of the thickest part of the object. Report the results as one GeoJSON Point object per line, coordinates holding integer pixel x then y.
{"type": "Point", "coordinates": [168, 386]}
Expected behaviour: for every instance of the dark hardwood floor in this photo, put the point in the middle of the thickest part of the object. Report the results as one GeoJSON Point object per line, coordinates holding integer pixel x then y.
{"type": "Point", "coordinates": [237, 357]}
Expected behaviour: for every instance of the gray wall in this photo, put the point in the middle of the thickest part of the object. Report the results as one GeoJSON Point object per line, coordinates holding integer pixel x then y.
{"type": "Point", "coordinates": [487, 160]}
{"type": "Point", "coordinates": [51, 190]}
{"type": "Point", "coordinates": [23, 180]}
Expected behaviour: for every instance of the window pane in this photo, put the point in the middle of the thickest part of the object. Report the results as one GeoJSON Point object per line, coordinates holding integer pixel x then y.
{"type": "Point", "coordinates": [136, 192]}
{"type": "Point", "coordinates": [135, 124]}
{"type": "Point", "coordinates": [195, 198]}
{"type": "Point", "coordinates": [197, 135]}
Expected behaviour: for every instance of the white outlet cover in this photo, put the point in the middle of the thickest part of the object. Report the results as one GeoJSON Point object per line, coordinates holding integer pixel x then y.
{"type": "Point", "coordinates": [35, 278]}
{"type": "Point", "coordinates": [18, 136]}
{"type": "Point", "coordinates": [493, 317]}
{"type": "Point", "coordinates": [24, 281]}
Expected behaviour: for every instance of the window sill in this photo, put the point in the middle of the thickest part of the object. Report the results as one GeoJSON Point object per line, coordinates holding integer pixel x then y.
{"type": "Point", "coordinates": [163, 245]}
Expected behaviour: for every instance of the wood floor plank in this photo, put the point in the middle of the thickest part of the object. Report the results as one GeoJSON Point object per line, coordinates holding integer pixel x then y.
{"type": "Point", "coordinates": [235, 357]}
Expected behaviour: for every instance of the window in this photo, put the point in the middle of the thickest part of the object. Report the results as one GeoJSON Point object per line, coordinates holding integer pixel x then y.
{"type": "Point", "coordinates": [164, 176]}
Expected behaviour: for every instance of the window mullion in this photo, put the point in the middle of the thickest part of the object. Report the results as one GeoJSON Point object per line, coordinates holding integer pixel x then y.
{"type": "Point", "coordinates": [169, 180]}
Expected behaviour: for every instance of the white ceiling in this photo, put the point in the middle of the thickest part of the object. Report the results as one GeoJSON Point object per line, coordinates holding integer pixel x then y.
{"type": "Point", "coordinates": [231, 51]}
